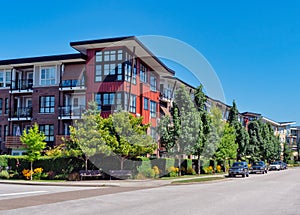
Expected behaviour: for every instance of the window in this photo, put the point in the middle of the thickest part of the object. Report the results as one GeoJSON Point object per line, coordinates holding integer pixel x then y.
{"type": "Point", "coordinates": [153, 133]}
{"type": "Point", "coordinates": [153, 83]}
{"type": "Point", "coordinates": [98, 100]}
{"type": "Point", "coordinates": [5, 78]}
{"type": "Point", "coordinates": [132, 107]}
{"type": "Point", "coordinates": [1, 100]}
{"type": "Point", "coordinates": [108, 98]}
{"type": "Point", "coordinates": [152, 109]}
{"type": "Point", "coordinates": [118, 101]}
{"type": "Point", "coordinates": [75, 102]}
{"type": "Point", "coordinates": [5, 131]}
{"type": "Point", "coordinates": [48, 76]}
{"type": "Point", "coordinates": [108, 65]}
{"type": "Point", "coordinates": [48, 131]}
{"type": "Point", "coordinates": [105, 99]}
{"type": "Point", "coordinates": [47, 104]}
{"type": "Point", "coordinates": [127, 71]}
{"type": "Point", "coordinates": [6, 106]}
{"type": "Point", "coordinates": [143, 73]}
{"type": "Point", "coordinates": [146, 104]}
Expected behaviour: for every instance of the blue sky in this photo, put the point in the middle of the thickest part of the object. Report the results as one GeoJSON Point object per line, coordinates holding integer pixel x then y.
{"type": "Point", "coordinates": [254, 46]}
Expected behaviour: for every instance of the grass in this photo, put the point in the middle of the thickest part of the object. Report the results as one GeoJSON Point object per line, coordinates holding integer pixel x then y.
{"type": "Point", "coordinates": [197, 180]}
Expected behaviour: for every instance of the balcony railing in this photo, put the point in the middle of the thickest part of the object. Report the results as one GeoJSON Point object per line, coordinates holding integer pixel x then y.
{"type": "Point", "coordinates": [72, 84]}
{"type": "Point", "coordinates": [14, 142]}
{"type": "Point", "coordinates": [21, 113]}
{"type": "Point", "coordinates": [22, 85]}
{"type": "Point", "coordinates": [71, 112]}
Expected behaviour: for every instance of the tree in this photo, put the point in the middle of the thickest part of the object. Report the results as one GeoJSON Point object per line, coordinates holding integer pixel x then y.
{"type": "Point", "coordinates": [287, 152]}
{"type": "Point", "coordinates": [90, 134]}
{"type": "Point", "coordinates": [255, 141]}
{"type": "Point", "coordinates": [227, 148]}
{"type": "Point", "coordinates": [180, 132]}
{"type": "Point", "coordinates": [242, 137]}
{"type": "Point", "coordinates": [130, 136]}
{"type": "Point", "coordinates": [34, 140]}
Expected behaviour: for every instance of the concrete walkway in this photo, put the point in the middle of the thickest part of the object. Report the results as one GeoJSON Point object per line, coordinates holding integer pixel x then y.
{"type": "Point", "coordinates": [109, 183]}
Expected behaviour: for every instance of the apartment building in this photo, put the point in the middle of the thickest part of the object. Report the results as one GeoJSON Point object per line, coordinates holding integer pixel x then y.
{"type": "Point", "coordinates": [116, 73]}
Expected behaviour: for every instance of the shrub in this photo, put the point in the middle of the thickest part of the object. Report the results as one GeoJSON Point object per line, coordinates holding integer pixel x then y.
{"type": "Point", "coordinates": [37, 173]}
{"type": "Point", "coordinates": [208, 170]}
{"type": "Point", "coordinates": [190, 171]}
{"type": "Point", "coordinates": [156, 171]}
{"type": "Point", "coordinates": [4, 174]}
{"type": "Point", "coordinates": [173, 171]}
{"type": "Point", "coordinates": [219, 169]}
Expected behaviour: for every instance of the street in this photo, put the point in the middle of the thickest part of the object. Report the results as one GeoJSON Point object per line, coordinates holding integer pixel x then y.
{"type": "Point", "coordinates": [273, 193]}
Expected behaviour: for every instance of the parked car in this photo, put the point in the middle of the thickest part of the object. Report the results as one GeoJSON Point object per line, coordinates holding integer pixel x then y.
{"type": "Point", "coordinates": [275, 166]}
{"type": "Point", "coordinates": [283, 165]}
{"type": "Point", "coordinates": [258, 167]}
{"type": "Point", "coordinates": [239, 168]}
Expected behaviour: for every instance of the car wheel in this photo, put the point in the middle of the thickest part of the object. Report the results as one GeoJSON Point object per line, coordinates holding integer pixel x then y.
{"type": "Point", "coordinates": [244, 175]}
{"type": "Point", "coordinates": [263, 172]}
{"type": "Point", "coordinates": [247, 175]}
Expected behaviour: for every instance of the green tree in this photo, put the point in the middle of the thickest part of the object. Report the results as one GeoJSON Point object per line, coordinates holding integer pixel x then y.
{"type": "Point", "coordinates": [254, 149]}
{"type": "Point", "coordinates": [90, 134]}
{"type": "Point", "coordinates": [34, 140]}
{"type": "Point", "coordinates": [287, 152]}
{"type": "Point", "coordinates": [130, 136]}
{"type": "Point", "coordinates": [242, 137]}
{"type": "Point", "coordinates": [180, 132]}
{"type": "Point", "coordinates": [227, 148]}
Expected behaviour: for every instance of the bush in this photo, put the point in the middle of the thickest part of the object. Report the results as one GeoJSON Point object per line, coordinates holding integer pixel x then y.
{"type": "Point", "coordinates": [4, 174]}
{"type": "Point", "coordinates": [208, 170]}
{"type": "Point", "coordinates": [156, 171]}
{"type": "Point", "coordinates": [145, 169]}
{"type": "Point", "coordinates": [190, 171]}
{"type": "Point", "coordinates": [173, 171]}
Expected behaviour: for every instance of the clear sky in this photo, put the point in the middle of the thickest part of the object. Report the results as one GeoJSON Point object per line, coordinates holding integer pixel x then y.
{"type": "Point", "coordinates": [254, 46]}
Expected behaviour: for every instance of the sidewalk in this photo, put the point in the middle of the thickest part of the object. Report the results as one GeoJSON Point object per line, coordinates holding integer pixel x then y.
{"type": "Point", "coordinates": [108, 183]}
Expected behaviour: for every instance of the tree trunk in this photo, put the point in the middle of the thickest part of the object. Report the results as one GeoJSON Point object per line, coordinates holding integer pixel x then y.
{"type": "Point", "coordinates": [199, 165]}
{"type": "Point", "coordinates": [31, 170]}
{"type": "Point", "coordinates": [86, 163]}
{"type": "Point", "coordinates": [179, 165]}
{"type": "Point", "coordinates": [122, 163]}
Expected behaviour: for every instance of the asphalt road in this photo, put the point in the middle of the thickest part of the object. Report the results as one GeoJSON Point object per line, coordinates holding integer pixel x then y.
{"type": "Point", "coordinates": [273, 193]}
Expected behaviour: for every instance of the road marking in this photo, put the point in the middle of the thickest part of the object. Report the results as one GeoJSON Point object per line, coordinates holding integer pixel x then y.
{"type": "Point", "coordinates": [23, 193]}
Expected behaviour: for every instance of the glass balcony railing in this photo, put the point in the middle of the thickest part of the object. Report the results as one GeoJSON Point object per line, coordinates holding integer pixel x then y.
{"type": "Point", "coordinates": [71, 111]}
{"type": "Point", "coordinates": [22, 84]}
{"type": "Point", "coordinates": [22, 112]}
{"type": "Point", "coordinates": [72, 84]}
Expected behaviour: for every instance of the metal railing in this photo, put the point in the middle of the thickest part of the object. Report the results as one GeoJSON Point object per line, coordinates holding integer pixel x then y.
{"type": "Point", "coordinates": [71, 111]}
{"type": "Point", "coordinates": [22, 84]}
{"type": "Point", "coordinates": [22, 112]}
{"type": "Point", "coordinates": [72, 84]}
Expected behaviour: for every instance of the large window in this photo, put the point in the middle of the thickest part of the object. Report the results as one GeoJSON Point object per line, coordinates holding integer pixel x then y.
{"type": "Point", "coordinates": [132, 107]}
{"type": "Point", "coordinates": [6, 106]}
{"type": "Point", "coordinates": [47, 104]}
{"type": "Point", "coordinates": [48, 76]}
{"type": "Point", "coordinates": [108, 65]}
{"type": "Point", "coordinates": [143, 73]}
{"type": "Point", "coordinates": [108, 99]}
{"type": "Point", "coordinates": [48, 131]}
{"type": "Point", "coordinates": [152, 109]}
{"type": "Point", "coordinates": [153, 83]}
{"type": "Point", "coordinates": [146, 104]}
{"type": "Point", "coordinates": [5, 78]}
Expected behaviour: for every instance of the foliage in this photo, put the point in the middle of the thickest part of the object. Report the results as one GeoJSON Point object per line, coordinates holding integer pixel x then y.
{"type": "Point", "coordinates": [173, 171]}
{"type": "Point", "coordinates": [145, 170]}
{"type": "Point", "coordinates": [37, 173]}
{"type": "Point", "coordinates": [287, 152]}
{"type": "Point", "coordinates": [227, 148]}
{"type": "Point", "coordinates": [209, 170]}
{"type": "Point", "coordinates": [4, 174]}
{"type": "Point", "coordinates": [90, 134]}
{"type": "Point", "coordinates": [190, 171]}
{"type": "Point", "coordinates": [34, 140]}
{"type": "Point", "coordinates": [218, 169]}
{"type": "Point", "coordinates": [242, 137]}
{"type": "Point", "coordinates": [128, 136]}
{"type": "Point", "coordinates": [156, 171]}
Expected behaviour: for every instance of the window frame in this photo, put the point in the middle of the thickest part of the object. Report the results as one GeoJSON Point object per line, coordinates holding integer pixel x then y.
{"type": "Point", "coordinates": [49, 134]}
{"type": "Point", "coordinates": [48, 79]}
{"type": "Point", "coordinates": [50, 106]}
{"type": "Point", "coordinates": [5, 83]}
{"type": "Point", "coordinates": [146, 101]}
{"type": "Point", "coordinates": [153, 113]}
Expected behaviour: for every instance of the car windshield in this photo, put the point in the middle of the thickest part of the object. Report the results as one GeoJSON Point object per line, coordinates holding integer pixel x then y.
{"type": "Point", "coordinates": [237, 164]}
{"type": "Point", "coordinates": [275, 163]}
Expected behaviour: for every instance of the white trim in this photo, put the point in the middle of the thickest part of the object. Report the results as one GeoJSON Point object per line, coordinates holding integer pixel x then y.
{"type": "Point", "coordinates": [55, 75]}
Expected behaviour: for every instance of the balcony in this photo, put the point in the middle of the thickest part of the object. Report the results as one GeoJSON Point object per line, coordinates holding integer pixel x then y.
{"type": "Point", "coordinates": [14, 142]}
{"type": "Point", "coordinates": [67, 85]}
{"type": "Point", "coordinates": [22, 86]}
{"type": "Point", "coordinates": [71, 112]}
{"type": "Point", "coordinates": [164, 97]}
{"type": "Point", "coordinates": [22, 114]}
